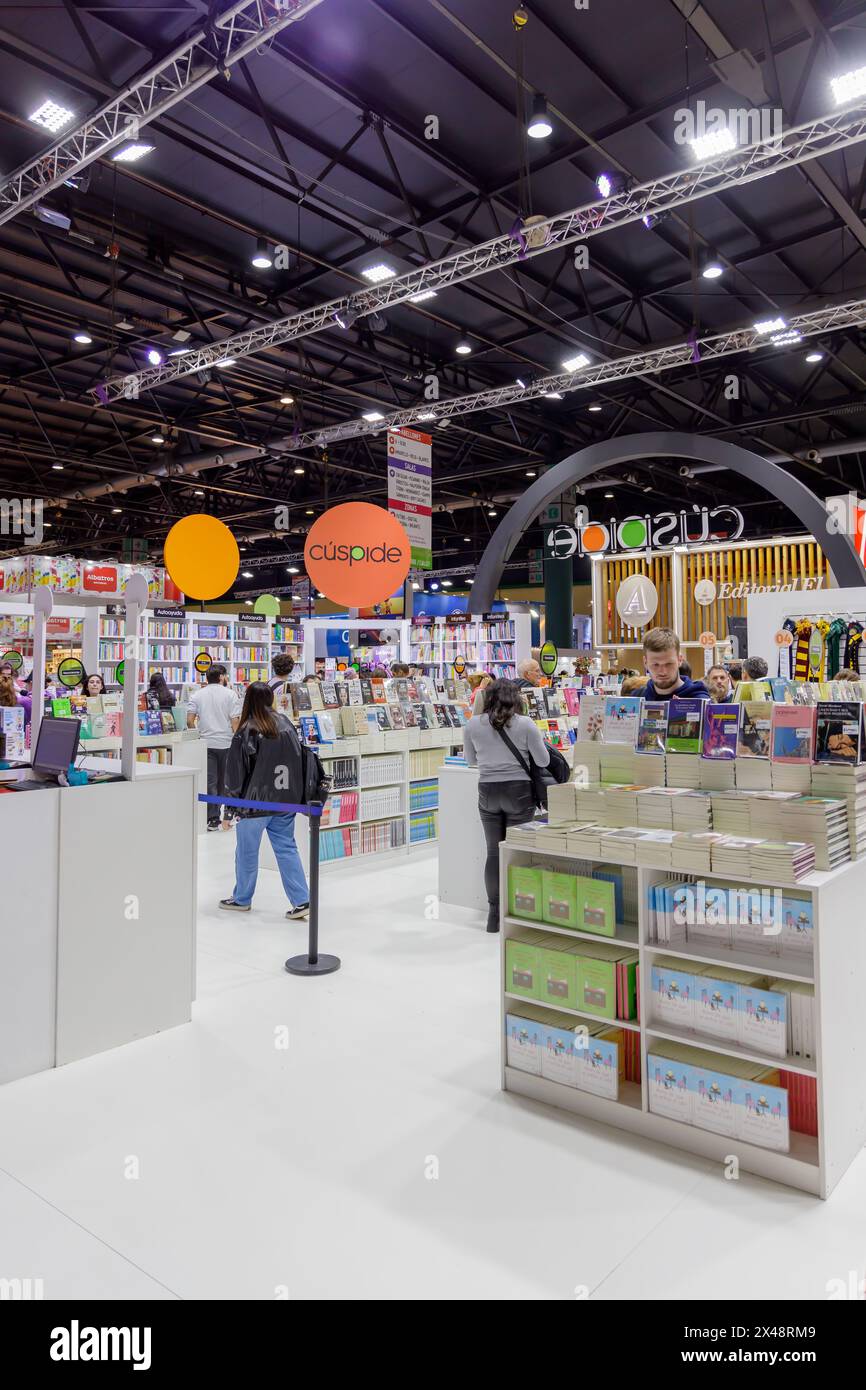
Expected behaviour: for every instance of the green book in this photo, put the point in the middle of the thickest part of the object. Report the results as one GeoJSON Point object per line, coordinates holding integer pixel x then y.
{"type": "Point", "coordinates": [557, 974]}
{"type": "Point", "coordinates": [559, 898]}
{"type": "Point", "coordinates": [685, 725]}
{"type": "Point", "coordinates": [521, 967]}
{"type": "Point", "coordinates": [525, 892]}
{"type": "Point", "coordinates": [596, 906]}
{"type": "Point", "coordinates": [61, 708]}
{"type": "Point", "coordinates": [596, 986]}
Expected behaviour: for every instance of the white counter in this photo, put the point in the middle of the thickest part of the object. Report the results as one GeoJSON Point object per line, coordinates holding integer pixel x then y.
{"type": "Point", "coordinates": [462, 848]}
{"type": "Point", "coordinates": [97, 936]}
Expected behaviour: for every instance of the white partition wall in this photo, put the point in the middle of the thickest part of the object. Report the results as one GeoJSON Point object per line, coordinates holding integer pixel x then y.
{"type": "Point", "coordinates": [765, 614]}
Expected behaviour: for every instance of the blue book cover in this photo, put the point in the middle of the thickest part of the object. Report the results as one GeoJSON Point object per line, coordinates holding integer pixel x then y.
{"type": "Point", "coordinates": [613, 876]}
{"type": "Point", "coordinates": [309, 728]}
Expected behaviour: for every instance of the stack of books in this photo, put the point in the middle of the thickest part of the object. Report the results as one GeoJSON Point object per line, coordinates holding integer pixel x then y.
{"type": "Point", "coordinates": [717, 774]}
{"type": "Point", "coordinates": [692, 812]}
{"type": "Point", "coordinates": [617, 762]}
{"type": "Point", "coordinates": [784, 861]}
{"type": "Point", "coordinates": [587, 756]}
{"type": "Point", "coordinates": [619, 844]}
{"type": "Point", "coordinates": [848, 784]}
{"type": "Point", "coordinates": [584, 840]}
{"type": "Point", "coordinates": [792, 747]}
{"type": "Point", "coordinates": [684, 770]}
{"type": "Point", "coordinates": [620, 805]}
{"type": "Point", "coordinates": [654, 849]}
{"type": "Point", "coordinates": [823, 822]}
{"type": "Point", "coordinates": [727, 1095]}
{"type": "Point", "coordinates": [693, 853]}
{"type": "Point", "coordinates": [731, 855]}
{"type": "Point", "coordinates": [655, 807]}
{"type": "Point", "coordinates": [590, 802]}
{"type": "Point", "coordinates": [791, 777]}
{"type": "Point", "coordinates": [753, 774]}
{"type": "Point", "coordinates": [562, 803]}
{"type": "Point", "coordinates": [731, 813]}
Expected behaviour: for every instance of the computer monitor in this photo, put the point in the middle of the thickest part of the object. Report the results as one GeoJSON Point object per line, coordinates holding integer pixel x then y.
{"type": "Point", "coordinates": [56, 746]}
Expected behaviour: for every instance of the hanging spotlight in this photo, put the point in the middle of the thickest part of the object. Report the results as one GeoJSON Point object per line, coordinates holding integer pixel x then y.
{"type": "Point", "coordinates": [715, 142]}
{"type": "Point", "coordinates": [157, 438]}
{"type": "Point", "coordinates": [82, 336]}
{"type": "Point", "coordinates": [849, 86]}
{"type": "Point", "coordinates": [608, 183]}
{"type": "Point", "coordinates": [344, 318]}
{"type": "Point", "coordinates": [154, 356]}
{"type": "Point", "coordinates": [712, 270]}
{"type": "Point", "coordinates": [574, 364]}
{"type": "Point", "coordinates": [814, 356]}
{"type": "Point", "coordinates": [463, 348]}
{"type": "Point", "coordinates": [539, 125]}
{"type": "Point", "coordinates": [262, 260]}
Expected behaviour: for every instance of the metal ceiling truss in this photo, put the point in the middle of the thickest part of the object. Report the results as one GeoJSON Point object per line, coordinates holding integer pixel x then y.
{"type": "Point", "coordinates": [639, 364]}
{"type": "Point", "coordinates": [212, 49]}
{"type": "Point", "coordinates": [760, 160]}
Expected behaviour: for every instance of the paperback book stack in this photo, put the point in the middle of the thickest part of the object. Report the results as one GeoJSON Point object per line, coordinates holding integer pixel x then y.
{"type": "Point", "coordinates": [617, 762]}
{"type": "Point", "coordinates": [731, 813]}
{"type": "Point", "coordinates": [792, 747]}
{"type": "Point", "coordinates": [587, 755]}
{"type": "Point", "coordinates": [562, 803]}
{"type": "Point", "coordinates": [847, 784]}
{"type": "Point", "coordinates": [654, 849]}
{"type": "Point", "coordinates": [719, 746]}
{"type": "Point", "coordinates": [753, 746]}
{"type": "Point", "coordinates": [693, 853]}
{"type": "Point", "coordinates": [620, 805]}
{"type": "Point", "coordinates": [692, 812]}
{"type": "Point", "coordinates": [684, 770]}
{"type": "Point", "coordinates": [590, 803]}
{"type": "Point", "coordinates": [731, 855]}
{"type": "Point", "coordinates": [783, 861]}
{"type": "Point", "coordinates": [655, 807]}
{"type": "Point", "coordinates": [584, 840]}
{"type": "Point", "coordinates": [619, 844]}
{"type": "Point", "coordinates": [820, 821]}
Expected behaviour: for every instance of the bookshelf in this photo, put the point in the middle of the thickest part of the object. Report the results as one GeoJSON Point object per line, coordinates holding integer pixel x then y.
{"type": "Point", "coordinates": [64, 636]}
{"type": "Point", "coordinates": [814, 1163]}
{"type": "Point", "coordinates": [494, 643]}
{"type": "Point", "coordinates": [171, 644]}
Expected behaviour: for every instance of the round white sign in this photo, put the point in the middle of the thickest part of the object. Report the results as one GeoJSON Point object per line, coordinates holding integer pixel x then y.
{"type": "Point", "coordinates": [705, 591]}
{"type": "Point", "coordinates": [637, 600]}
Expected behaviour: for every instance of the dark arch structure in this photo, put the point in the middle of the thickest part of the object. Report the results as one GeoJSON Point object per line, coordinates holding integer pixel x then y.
{"type": "Point", "coordinates": [800, 501]}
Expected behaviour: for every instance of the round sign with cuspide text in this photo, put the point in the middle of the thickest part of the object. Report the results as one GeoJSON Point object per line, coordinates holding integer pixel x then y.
{"type": "Point", "coordinates": [637, 600]}
{"type": "Point", "coordinates": [357, 554]}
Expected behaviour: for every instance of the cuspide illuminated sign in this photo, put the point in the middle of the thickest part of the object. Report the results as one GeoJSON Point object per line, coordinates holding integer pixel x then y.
{"type": "Point", "coordinates": [659, 532]}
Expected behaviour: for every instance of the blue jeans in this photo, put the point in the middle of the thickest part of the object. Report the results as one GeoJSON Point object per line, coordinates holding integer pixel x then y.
{"type": "Point", "coordinates": [281, 833]}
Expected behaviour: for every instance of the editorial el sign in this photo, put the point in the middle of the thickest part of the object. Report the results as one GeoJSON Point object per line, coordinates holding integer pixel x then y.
{"type": "Point", "coordinates": [661, 531]}
{"type": "Point", "coordinates": [357, 554]}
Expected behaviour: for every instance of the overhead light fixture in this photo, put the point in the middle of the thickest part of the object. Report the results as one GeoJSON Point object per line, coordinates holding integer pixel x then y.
{"type": "Point", "coordinates": [766, 326]}
{"type": "Point", "coordinates": [609, 496]}
{"type": "Point", "coordinates": [116, 511]}
{"type": "Point", "coordinates": [433, 584]}
{"type": "Point", "coordinates": [372, 415]}
{"type": "Point", "coordinates": [553, 395]}
{"type": "Point", "coordinates": [531, 473]}
{"type": "Point", "coordinates": [154, 356]}
{"type": "Point", "coordinates": [226, 362]}
{"type": "Point", "coordinates": [422, 296]}
{"type": "Point", "coordinates": [415, 586]}
{"type": "Point", "coordinates": [248, 602]}
{"type": "Point", "coordinates": [849, 86]}
{"type": "Point", "coordinates": [52, 216]}
{"type": "Point", "coordinates": [52, 116]}
{"type": "Point", "coordinates": [814, 356]}
{"type": "Point", "coordinates": [58, 467]}
{"type": "Point", "coordinates": [157, 438]}
{"type": "Point", "coordinates": [491, 513]}
{"type": "Point", "coordinates": [594, 409]}
{"type": "Point", "coordinates": [246, 574]}
{"type": "Point", "coordinates": [539, 125]}
{"type": "Point", "coordinates": [715, 142]}
{"type": "Point", "coordinates": [82, 336]}
{"type": "Point", "coordinates": [299, 472]}
{"type": "Point", "coordinates": [443, 424]}
{"type": "Point", "coordinates": [292, 569]}
{"type": "Point", "coordinates": [378, 272]}
{"type": "Point", "coordinates": [262, 258]}
{"type": "Point", "coordinates": [179, 352]}
{"type": "Point", "coordinates": [198, 492]}
{"type": "Point", "coordinates": [520, 382]}
{"type": "Point", "coordinates": [573, 364]}
{"type": "Point", "coordinates": [427, 415]}
{"type": "Point", "coordinates": [344, 318]}
{"type": "Point", "coordinates": [446, 584]}
{"type": "Point", "coordinates": [712, 270]}
{"type": "Point", "coordinates": [48, 523]}
{"type": "Point", "coordinates": [310, 512]}
{"type": "Point", "coordinates": [787, 338]}
{"type": "Point", "coordinates": [131, 152]}
{"type": "Point", "coordinates": [463, 348]}
{"type": "Point", "coordinates": [608, 183]}
{"type": "Point", "coordinates": [286, 399]}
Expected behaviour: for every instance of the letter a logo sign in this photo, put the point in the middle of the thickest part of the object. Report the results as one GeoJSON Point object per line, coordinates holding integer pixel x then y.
{"type": "Point", "coordinates": [637, 601]}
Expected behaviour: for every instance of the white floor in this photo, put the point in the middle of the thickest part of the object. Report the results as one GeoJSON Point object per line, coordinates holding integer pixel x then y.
{"type": "Point", "coordinates": [306, 1172]}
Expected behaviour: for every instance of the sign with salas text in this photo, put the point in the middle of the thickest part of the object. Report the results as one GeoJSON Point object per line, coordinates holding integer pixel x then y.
{"type": "Point", "coordinates": [410, 490]}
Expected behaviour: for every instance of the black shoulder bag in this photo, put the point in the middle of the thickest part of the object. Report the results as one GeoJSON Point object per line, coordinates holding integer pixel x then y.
{"type": "Point", "coordinates": [540, 777]}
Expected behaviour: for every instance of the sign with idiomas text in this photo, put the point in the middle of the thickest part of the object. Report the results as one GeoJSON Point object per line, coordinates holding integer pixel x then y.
{"type": "Point", "coordinates": [410, 490]}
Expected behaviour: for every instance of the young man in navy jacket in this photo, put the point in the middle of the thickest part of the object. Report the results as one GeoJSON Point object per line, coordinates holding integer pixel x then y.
{"type": "Point", "coordinates": [661, 654]}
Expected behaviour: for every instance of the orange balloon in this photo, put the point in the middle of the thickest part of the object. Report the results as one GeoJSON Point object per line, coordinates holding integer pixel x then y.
{"type": "Point", "coordinates": [202, 556]}
{"type": "Point", "coordinates": [357, 554]}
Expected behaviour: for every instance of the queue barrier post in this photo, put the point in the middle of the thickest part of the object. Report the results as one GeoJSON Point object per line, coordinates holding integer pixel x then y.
{"type": "Point", "coordinates": [312, 963]}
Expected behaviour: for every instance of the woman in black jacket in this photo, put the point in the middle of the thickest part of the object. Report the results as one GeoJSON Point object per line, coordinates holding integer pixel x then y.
{"type": "Point", "coordinates": [158, 695]}
{"type": "Point", "coordinates": [265, 763]}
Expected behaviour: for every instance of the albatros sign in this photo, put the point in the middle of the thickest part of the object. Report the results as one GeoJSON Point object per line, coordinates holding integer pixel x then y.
{"type": "Point", "coordinates": [659, 532]}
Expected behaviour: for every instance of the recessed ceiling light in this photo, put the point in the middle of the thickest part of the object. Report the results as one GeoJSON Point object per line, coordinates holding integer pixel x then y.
{"type": "Point", "coordinates": [131, 152]}
{"type": "Point", "coordinates": [712, 270]}
{"type": "Point", "coordinates": [52, 116]}
{"type": "Point", "coordinates": [530, 473]}
{"type": "Point", "coordinates": [609, 495]}
{"type": "Point", "coordinates": [573, 364]}
{"type": "Point", "coordinates": [814, 356]}
{"type": "Point", "coordinates": [372, 415]}
{"type": "Point", "coordinates": [116, 511]}
{"type": "Point", "coordinates": [299, 472]}
{"type": "Point", "coordinates": [310, 512]}
{"type": "Point", "coordinates": [246, 574]}
{"type": "Point", "coordinates": [287, 400]}
{"type": "Point", "coordinates": [420, 298]}
{"type": "Point", "coordinates": [446, 584]}
{"type": "Point", "coordinates": [157, 438]}
{"type": "Point", "coordinates": [378, 272]}
{"type": "Point", "coordinates": [293, 569]}
{"type": "Point", "coordinates": [595, 409]}
{"type": "Point", "coordinates": [262, 258]}
{"type": "Point", "coordinates": [463, 348]}
{"type": "Point", "coordinates": [58, 467]}
{"type": "Point", "coordinates": [81, 335]}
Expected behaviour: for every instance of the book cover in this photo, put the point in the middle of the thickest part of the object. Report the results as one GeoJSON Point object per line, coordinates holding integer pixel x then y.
{"type": "Point", "coordinates": [598, 1062]}
{"type": "Point", "coordinates": [838, 731]}
{"type": "Point", "coordinates": [356, 693]}
{"type": "Point", "coordinates": [325, 726]}
{"type": "Point", "coordinates": [557, 976]}
{"type": "Point", "coordinates": [113, 725]}
{"type": "Point", "coordinates": [383, 718]}
{"type": "Point", "coordinates": [371, 716]}
{"type": "Point", "coordinates": [783, 690]}
{"type": "Point", "coordinates": [397, 720]}
{"type": "Point", "coordinates": [673, 995]}
{"type": "Point", "coordinates": [720, 731]}
{"type": "Point", "coordinates": [684, 725]}
{"type": "Point", "coordinates": [753, 738]}
{"type": "Point", "coordinates": [378, 691]}
{"type": "Point", "coordinates": [523, 1038]}
{"type": "Point", "coordinates": [596, 906]}
{"type": "Point", "coordinates": [597, 986]}
{"type": "Point", "coordinates": [792, 730]}
{"type": "Point", "coordinates": [525, 892]}
{"type": "Point", "coordinates": [714, 1101]}
{"type": "Point", "coordinates": [572, 699]}
{"type": "Point", "coordinates": [94, 704]}
{"type": "Point", "coordinates": [366, 690]}
{"type": "Point", "coordinates": [329, 695]}
{"type": "Point", "coordinates": [342, 689]}
{"type": "Point", "coordinates": [671, 1087]}
{"type": "Point", "coordinates": [167, 721]}
{"type": "Point", "coordinates": [621, 718]}
{"type": "Point", "coordinates": [422, 718]}
{"type": "Point", "coordinates": [559, 1061]}
{"type": "Point", "coordinates": [591, 719]}
{"type": "Point", "coordinates": [309, 728]}
{"type": "Point", "coordinates": [315, 689]}
{"type": "Point", "coordinates": [61, 708]}
{"type": "Point", "coordinates": [301, 697]}
{"type": "Point", "coordinates": [407, 709]}
{"type": "Point", "coordinates": [521, 967]}
{"type": "Point", "coordinates": [559, 893]}
{"type": "Point", "coordinates": [653, 727]}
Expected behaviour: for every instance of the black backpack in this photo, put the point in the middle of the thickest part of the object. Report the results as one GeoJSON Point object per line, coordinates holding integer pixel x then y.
{"type": "Point", "coordinates": [317, 783]}
{"type": "Point", "coordinates": [541, 777]}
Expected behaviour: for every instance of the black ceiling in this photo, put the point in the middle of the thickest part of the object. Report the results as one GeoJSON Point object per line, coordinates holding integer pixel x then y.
{"type": "Point", "coordinates": [318, 143]}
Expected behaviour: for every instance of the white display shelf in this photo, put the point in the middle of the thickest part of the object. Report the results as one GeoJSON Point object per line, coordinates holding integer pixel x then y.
{"type": "Point", "coordinates": [590, 1017]}
{"type": "Point", "coordinates": [812, 1164]}
{"type": "Point", "coordinates": [626, 932]}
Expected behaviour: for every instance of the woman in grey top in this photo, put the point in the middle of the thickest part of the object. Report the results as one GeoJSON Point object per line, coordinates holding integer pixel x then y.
{"type": "Point", "coordinates": [504, 789]}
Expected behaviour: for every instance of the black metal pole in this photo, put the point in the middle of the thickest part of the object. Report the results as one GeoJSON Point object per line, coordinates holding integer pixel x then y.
{"type": "Point", "coordinates": [312, 963]}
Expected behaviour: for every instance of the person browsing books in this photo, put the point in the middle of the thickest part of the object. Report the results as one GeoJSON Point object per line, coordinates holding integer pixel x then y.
{"type": "Point", "coordinates": [93, 685]}
{"type": "Point", "coordinates": [505, 794]}
{"type": "Point", "coordinates": [283, 666]}
{"type": "Point", "coordinates": [661, 654]}
{"type": "Point", "coordinates": [529, 673]}
{"type": "Point", "coordinates": [216, 709]}
{"type": "Point", "coordinates": [265, 763]}
{"type": "Point", "coordinates": [720, 685]}
{"type": "Point", "coordinates": [158, 695]}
